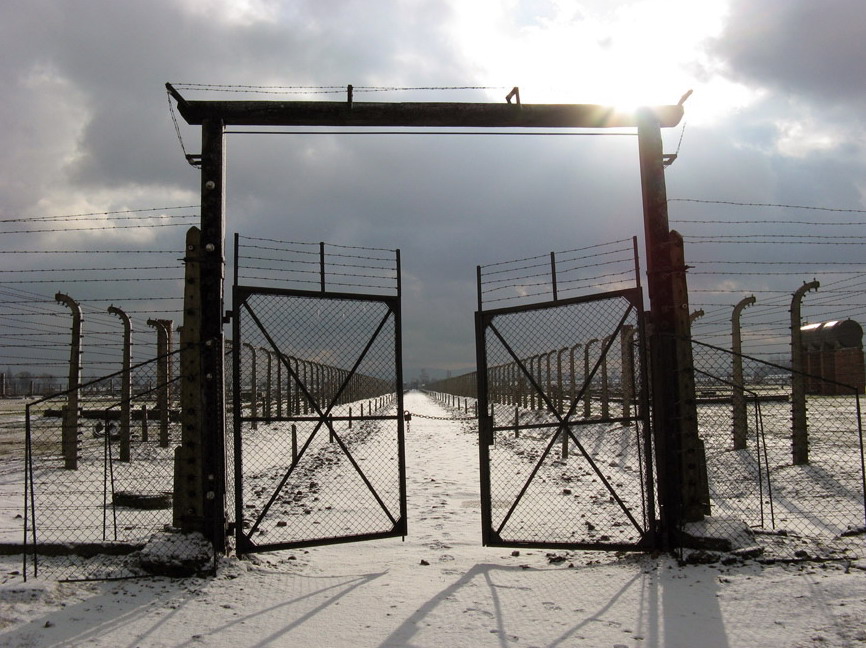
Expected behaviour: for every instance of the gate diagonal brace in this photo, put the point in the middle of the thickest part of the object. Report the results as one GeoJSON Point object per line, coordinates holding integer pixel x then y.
{"type": "Point", "coordinates": [324, 417]}
{"type": "Point", "coordinates": [564, 426]}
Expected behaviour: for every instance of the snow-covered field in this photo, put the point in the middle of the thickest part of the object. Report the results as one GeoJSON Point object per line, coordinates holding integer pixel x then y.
{"type": "Point", "coordinates": [439, 587]}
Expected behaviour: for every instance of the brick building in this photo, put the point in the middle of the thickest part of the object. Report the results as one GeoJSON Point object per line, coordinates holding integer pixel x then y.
{"type": "Point", "coordinates": [833, 351]}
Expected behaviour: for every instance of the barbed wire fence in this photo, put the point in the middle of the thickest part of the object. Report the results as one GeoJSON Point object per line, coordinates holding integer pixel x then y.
{"type": "Point", "coordinates": [778, 404]}
{"type": "Point", "coordinates": [115, 267]}
{"type": "Point", "coordinates": [79, 255]}
{"type": "Point", "coordinates": [794, 507]}
{"type": "Point", "coordinates": [734, 250]}
{"type": "Point", "coordinates": [769, 251]}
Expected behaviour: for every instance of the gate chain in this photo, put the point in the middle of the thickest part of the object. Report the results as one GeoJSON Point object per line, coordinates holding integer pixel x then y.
{"type": "Point", "coordinates": [441, 418]}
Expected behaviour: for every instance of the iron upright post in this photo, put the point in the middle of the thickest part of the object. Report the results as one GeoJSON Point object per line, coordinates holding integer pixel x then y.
{"type": "Point", "coordinates": [200, 467]}
{"type": "Point", "coordinates": [683, 495]}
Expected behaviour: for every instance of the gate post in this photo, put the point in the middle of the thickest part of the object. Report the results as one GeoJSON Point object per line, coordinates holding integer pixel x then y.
{"type": "Point", "coordinates": [200, 467]}
{"type": "Point", "coordinates": [684, 495]}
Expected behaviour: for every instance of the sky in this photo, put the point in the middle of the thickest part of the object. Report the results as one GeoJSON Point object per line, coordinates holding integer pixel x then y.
{"type": "Point", "coordinates": [776, 118]}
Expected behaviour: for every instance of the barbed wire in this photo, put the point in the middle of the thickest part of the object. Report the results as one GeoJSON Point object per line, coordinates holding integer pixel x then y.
{"type": "Point", "coordinates": [93, 280]}
{"type": "Point", "coordinates": [103, 269]}
{"type": "Point", "coordinates": [547, 256]}
{"type": "Point", "coordinates": [766, 205]}
{"type": "Point", "coordinates": [92, 229]}
{"type": "Point", "coordinates": [88, 215]}
{"type": "Point", "coordinates": [317, 89]}
{"type": "Point", "coordinates": [174, 252]}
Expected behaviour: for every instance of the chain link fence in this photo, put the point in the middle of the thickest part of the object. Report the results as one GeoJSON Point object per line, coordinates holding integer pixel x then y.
{"type": "Point", "coordinates": [318, 427]}
{"type": "Point", "coordinates": [99, 475]}
{"type": "Point", "coordinates": [794, 507]}
{"type": "Point", "coordinates": [567, 446]}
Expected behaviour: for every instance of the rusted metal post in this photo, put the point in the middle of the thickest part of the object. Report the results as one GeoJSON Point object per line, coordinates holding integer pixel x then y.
{"type": "Point", "coordinates": [125, 382]}
{"type": "Point", "coordinates": [684, 494]}
{"type": "Point", "coordinates": [799, 423]}
{"type": "Point", "coordinates": [69, 434]}
{"type": "Point", "coordinates": [738, 399]}
{"type": "Point", "coordinates": [211, 381]}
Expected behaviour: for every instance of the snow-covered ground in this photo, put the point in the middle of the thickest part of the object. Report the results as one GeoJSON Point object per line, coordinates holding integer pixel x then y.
{"type": "Point", "coordinates": [439, 587]}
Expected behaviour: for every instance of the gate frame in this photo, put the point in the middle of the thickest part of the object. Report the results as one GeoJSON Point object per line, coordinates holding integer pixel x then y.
{"type": "Point", "coordinates": [682, 496]}
{"type": "Point", "coordinates": [240, 295]}
{"type": "Point", "coordinates": [486, 430]}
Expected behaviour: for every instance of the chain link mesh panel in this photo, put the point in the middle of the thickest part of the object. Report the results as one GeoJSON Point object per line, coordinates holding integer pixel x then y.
{"type": "Point", "coordinates": [816, 507]}
{"type": "Point", "coordinates": [567, 367]}
{"type": "Point", "coordinates": [319, 438]}
{"type": "Point", "coordinates": [98, 483]}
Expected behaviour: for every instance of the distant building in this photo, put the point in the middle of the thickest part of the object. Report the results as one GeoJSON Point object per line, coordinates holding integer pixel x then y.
{"type": "Point", "coordinates": [833, 351]}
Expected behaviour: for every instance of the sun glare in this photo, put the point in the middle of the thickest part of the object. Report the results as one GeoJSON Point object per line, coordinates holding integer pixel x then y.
{"type": "Point", "coordinates": [621, 54]}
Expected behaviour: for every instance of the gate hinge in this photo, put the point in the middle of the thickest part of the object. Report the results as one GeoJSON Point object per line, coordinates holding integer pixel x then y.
{"type": "Point", "coordinates": [228, 316]}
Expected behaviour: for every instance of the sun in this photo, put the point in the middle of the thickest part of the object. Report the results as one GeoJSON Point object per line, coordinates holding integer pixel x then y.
{"type": "Point", "coordinates": [614, 53]}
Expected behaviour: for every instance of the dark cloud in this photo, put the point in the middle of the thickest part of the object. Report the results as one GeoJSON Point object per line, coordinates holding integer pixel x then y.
{"type": "Point", "coordinates": [800, 47]}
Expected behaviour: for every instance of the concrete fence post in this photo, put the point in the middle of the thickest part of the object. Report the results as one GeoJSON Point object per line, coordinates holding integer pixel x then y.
{"type": "Point", "coordinates": [738, 400]}
{"type": "Point", "coordinates": [125, 383]}
{"type": "Point", "coordinates": [799, 424]}
{"type": "Point", "coordinates": [69, 434]}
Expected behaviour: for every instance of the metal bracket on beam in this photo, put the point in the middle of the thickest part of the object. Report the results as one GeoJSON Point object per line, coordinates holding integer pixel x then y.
{"type": "Point", "coordinates": [514, 94]}
{"type": "Point", "coordinates": [181, 102]}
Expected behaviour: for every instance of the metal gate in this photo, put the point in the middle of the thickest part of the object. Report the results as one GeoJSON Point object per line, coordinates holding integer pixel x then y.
{"type": "Point", "coordinates": [565, 446]}
{"type": "Point", "coordinates": [317, 402]}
